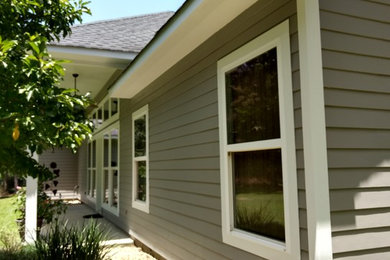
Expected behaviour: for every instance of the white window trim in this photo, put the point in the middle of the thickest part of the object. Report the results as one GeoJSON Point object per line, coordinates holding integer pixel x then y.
{"type": "Point", "coordinates": [111, 119]}
{"type": "Point", "coordinates": [265, 247]}
{"type": "Point", "coordinates": [140, 205]}
{"type": "Point", "coordinates": [107, 206]}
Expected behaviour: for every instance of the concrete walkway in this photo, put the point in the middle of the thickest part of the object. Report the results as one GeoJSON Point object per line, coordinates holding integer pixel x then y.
{"type": "Point", "coordinates": [74, 216]}
{"type": "Point", "coordinates": [121, 245]}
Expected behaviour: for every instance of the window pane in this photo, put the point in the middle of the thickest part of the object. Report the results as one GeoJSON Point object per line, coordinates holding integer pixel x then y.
{"type": "Point", "coordinates": [93, 183]}
{"type": "Point", "coordinates": [106, 110]}
{"type": "Point", "coordinates": [105, 185]}
{"type": "Point", "coordinates": [140, 136]}
{"type": "Point", "coordinates": [88, 182]}
{"type": "Point", "coordinates": [252, 103]}
{"type": "Point", "coordinates": [114, 148]}
{"type": "Point", "coordinates": [99, 117]}
{"type": "Point", "coordinates": [105, 149]}
{"type": "Point", "coordinates": [115, 189]}
{"type": "Point", "coordinates": [94, 120]}
{"type": "Point", "coordinates": [141, 180]}
{"type": "Point", "coordinates": [89, 154]}
{"type": "Point", "coordinates": [114, 106]}
{"type": "Point", "coordinates": [258, 193]}
{"type": "Point", "coordinates": [93, 154]}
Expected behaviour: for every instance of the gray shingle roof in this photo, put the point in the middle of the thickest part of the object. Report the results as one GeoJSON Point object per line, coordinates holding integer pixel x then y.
{"type": "Point", "coordinates": [130, 34]}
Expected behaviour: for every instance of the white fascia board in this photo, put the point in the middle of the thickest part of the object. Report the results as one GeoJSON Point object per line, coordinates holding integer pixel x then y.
{"type": "Point", "coordinates": [93, 57]}
{"type": "Point", "coordinates": [314, 131]}
{"type": "Point", "coordinates": [200, 20]}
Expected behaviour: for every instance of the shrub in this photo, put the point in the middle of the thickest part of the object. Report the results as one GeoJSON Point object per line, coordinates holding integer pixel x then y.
{"type": "Point", "coordinates": [69, 242]}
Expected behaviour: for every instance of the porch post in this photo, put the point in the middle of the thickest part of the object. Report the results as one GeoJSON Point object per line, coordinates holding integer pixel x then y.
{"type": "Point", "coordinates": [31, 209]}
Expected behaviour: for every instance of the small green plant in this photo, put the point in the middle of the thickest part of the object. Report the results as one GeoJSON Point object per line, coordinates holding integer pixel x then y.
{"type": "Point", "coordinates": [48, 209]}
{"type": "Point", "coordinates": [69, 242]}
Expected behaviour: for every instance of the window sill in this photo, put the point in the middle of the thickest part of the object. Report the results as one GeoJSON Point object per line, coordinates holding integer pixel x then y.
{"type": "Point", "coordinates": [258, 245]}
{"type": "Point", "coordinates": [143, 206]}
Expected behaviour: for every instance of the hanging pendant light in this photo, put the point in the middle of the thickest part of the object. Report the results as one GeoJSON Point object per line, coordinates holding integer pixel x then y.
{"type": "Point", "coordinates": [75, 75]}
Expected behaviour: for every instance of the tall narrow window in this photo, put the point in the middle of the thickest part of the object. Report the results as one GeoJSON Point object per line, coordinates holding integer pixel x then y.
{"type": "Point", "coordinates": [258, 172]}
{"type": "Point", "coordinates": [91, 169]}
{"type": "Point", "coordinates": [140, 159]}
{"type": "Point", "coordinates": [111, 169]}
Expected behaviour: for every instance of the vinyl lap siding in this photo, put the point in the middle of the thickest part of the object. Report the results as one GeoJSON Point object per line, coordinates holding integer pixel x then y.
{"type": "Point", "coordinates": [356, 60]}
{"type": "Point", "coordinates": [185, 206]}
{"type": "Point", "coordinates": [67, 163]}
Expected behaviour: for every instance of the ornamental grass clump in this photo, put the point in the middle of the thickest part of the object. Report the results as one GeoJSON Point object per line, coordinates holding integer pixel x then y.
{"type": "Point", "coordinates": [69, 242]}
{"type": "Point", "coordinates": [12, 249]}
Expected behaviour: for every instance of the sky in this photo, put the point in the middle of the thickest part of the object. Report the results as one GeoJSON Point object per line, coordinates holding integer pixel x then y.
{"type": "Point", "coordinates": [111, 9]}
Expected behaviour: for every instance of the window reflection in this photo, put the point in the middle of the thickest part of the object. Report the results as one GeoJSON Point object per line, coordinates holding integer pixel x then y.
{"type": "Point", "coordinates": [140, 136]}
{"type": "Point", "coordinates": [141, 180]}
{"type": "Point", "coordinates": [252, 103]}
{"type": "Point", "coordinates": [258, 193]}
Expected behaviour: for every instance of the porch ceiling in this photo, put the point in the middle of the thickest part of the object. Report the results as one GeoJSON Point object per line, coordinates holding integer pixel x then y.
{"type": "Point", "coordinates": [97, 69]}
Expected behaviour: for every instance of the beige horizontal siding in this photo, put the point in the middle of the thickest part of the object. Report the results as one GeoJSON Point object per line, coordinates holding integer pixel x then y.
{"type": "Point", "coordinates": [349, 80]}
{"type": "Point", "coordinates": [374, 254]}
{"type": "Point", "coordinates": [363, 219]}
{"type": "Point", "coordinates": [354, 25]}
{"type": "Point", "coordinates": [184, 219]}
{"type": "Point", "coordinates": [67, 164]}
{"type": "Point", "coordinates": [361, 240]}
{"type": "Point", "coordinates": [349, 178]}
{"type": "Point", "coordinates": [356, 59]}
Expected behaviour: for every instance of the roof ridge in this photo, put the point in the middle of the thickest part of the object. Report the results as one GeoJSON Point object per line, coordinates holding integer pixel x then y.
{"type": "Point", "coordinates": [122, 18]}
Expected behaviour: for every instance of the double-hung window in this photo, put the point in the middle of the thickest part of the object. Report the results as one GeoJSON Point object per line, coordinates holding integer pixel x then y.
{"type": "Point", "coordinates": [258, 169]}
{"type": "Point", "coordinates": [140, 150]}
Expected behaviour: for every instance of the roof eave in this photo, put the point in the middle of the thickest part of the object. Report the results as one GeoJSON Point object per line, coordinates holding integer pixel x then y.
{"type": "Point", "coordinates": [177, 39]}
{"type": "Point", "coordinates": [101, 58]}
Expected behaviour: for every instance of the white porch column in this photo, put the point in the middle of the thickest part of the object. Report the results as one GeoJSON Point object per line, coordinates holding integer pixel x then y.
{"type": "Point", "coordinates": [31, 209]}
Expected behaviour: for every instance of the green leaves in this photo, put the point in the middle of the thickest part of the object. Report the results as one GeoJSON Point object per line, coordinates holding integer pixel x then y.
{"type": "Point", "coordinates": [47, 115]}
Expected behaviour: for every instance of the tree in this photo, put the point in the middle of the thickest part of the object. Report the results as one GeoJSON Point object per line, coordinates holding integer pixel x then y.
{"type": "Point", "coordinates": [35, 113]}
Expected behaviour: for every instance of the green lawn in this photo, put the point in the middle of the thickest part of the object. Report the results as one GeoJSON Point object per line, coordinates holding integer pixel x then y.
{"type": "Point", "coordinates": [272, 202]}
{"type": "Point", "coordinates": [261, 213]}
{"type": "Point", "coordinates": [8, 216]}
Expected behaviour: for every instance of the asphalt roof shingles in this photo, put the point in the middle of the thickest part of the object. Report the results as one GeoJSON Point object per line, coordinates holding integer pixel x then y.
{"type": "Point", "coordinates": [130, 34]}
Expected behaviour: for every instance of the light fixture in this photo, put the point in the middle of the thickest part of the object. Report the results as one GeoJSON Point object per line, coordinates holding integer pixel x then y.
{"type": "Point", "coordinates": [75, 75]}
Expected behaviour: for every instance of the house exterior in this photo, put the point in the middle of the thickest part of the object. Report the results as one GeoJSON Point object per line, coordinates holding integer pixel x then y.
{"type": "Point", "coordinates": [249, 130]}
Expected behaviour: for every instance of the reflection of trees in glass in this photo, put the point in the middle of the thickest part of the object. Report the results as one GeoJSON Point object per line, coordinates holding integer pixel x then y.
{"type": "Point", "coordinates": [114, 147]}
{"type": "Point", "coordinates": [140, 136]}
{"type": "Point", "coordinates": [115, 189]}
{"type": "Point", "coordinates": [252, 100]}
{"type": "Point", "coordinates": [258, 192]}
{"type": "Point", "coordinates": [106, 188]}
{"type": "Point", "coordinates": [114, 106]}
{"type": "Point", "coordinates": [141, 172]}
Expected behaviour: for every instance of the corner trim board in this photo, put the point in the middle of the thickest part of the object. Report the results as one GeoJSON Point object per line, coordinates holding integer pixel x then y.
{"type": "Point", "coordinates": [314, 130]}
